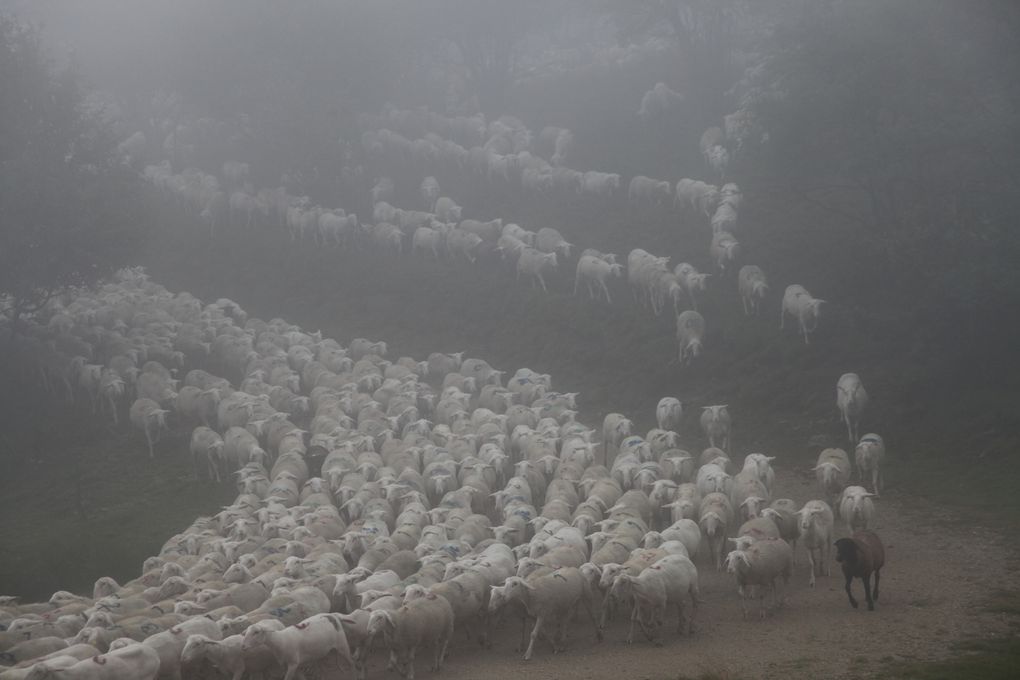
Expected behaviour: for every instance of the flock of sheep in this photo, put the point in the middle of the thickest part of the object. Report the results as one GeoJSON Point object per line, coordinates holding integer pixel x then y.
{"type": "Point", "coordinates": [382, 504]}
{"type": "Point", "coordinates": [506, 152]}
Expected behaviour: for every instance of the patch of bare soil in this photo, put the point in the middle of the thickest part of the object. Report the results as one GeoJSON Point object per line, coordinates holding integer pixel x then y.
{"type": "Point", "coordinates": [934, 592]}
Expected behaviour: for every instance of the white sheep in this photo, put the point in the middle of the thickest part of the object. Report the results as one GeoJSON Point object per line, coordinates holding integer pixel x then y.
{"type": "Point", "coordinates": [668, 413]}
{"type": "Point", "coordinates": [725, 249]}
{"type": "Point", "coordinates": [550, 240]}
{"type": "Point", "coordinates": [421, 621]}
{"type": "Point", "coordinates": [147, 416]}
{"type": "Point", "coordinates": [815, 529]}
{"type": "Point", "coordinates": [429, 192]}
{"type": "Point", "coordinates": [551, 599]}
{"type": "Point", "coordinates": [753, 287]}
{"type": "Point", "coordinates": [313, 639]}
{"type": "Point", "coordinates": [691, 280]}
{"type": "Point", "coordinates": [535, 264]}
{"type": "Point", "coordinates": [668, 582]}
{"type": "Point", "coordinates": [798, 303]}
{"type": "Point", "coordinates": [856, 508]}
{"type": "Point", "coordinates": [851, 400]}
{"type": "Point", "coordinates": [595, 272]}
{"type": "Point", "coordinates": [716, 424]}
{"type": "Point", "coordinates": [868, 456]}
{"type": "Point", "coordinates": [759, 566]}
{"type": "Point", "coordinates": [833, 472]}
{"type": "Point", "coordinates": [690, 329]}
{"type": "Point", "coordinates": [715, 515]}
{"type": "Point", "coordinates": [447, 210]}
{"type": "Point", "coordinates": [133, 661]}
{"type": "Point", "coordinates": [646, 189]}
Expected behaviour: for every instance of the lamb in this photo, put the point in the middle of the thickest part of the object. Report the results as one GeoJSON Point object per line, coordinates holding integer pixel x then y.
{"type": "Point", "coordinates": [313, 639]}
{"type": "Point", "coordinates": [759, 565]}
{"type": "Point", "coordinates": [667, 582]}
{"type": "Point", "coordinates": [783, 511]}
{"type": "Point", "coordinates": [701, 197]}
{"type": "Point", "coordinates": [594, 271]}
{"type": "Point", "coordinates": [428, 239]}
{"type": "Point", "coordinates": [815, 526]}
{"type": "Point", "coordinates": [550, 240]}
{"type": "Point", "coordinates": [422, 621]}
{"type": "Point", "coordinates": [868, 456]}
{"type": "Point", "coordinates": [147, 416]}
{"type": "Point", "coordinates": [832, 472]}
{"type": "Point", "coordinates": [615, 428]}
{"type": "Point", "coordinates": [535, 264]}
{"type": "Point", "coordinates": [551, 599]}
{"type": "Point", "coordinates": [716, 423]}
{"type": "Point", "coordinates": [599, 183]}
{"type": "Point", "coordinates": [133, 661]}
{"type": "Point", "coordinates": [851, 400]}
{"type": "Point", "coordinates": [488, 231]}
{"type": "Point", "coordinates": [168, 644]}
{"type": "Point", "coordinates": [690, 328]}
{"type": "Point", "coordinates": [856, 508]}
{"type": "Point", "coordinates": [753, 287]}
{"type": "Point", "coordinates": [861, 555]}
{"type": "Point", "coordinates": [797, 302]}
{"type": "Point", "coordinates": [462, 243]}
{"type": "Point", "coordinates": [383, 190]}
{"type": "Point", "coordinates": [725, 249]}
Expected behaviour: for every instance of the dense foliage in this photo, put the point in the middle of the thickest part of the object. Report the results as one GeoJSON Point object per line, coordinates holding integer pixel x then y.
{"type": "Point", "coordinates": [67, 203]}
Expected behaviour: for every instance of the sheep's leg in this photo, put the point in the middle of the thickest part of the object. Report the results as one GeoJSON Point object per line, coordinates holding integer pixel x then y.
{"type": "Point", "coordinates": [577, 280]}
{"type": "Point", "coordinates": [874, 594]}
{"type": "Point", "coordinates": [541, 280]}
{"type": "Point", "coordinates": [849, 594]}
{"type": "Point", "coordinates": [539, 622]}
{"type": "Point", "coordinates": [292, 670]}
{"type": "Point", "coordinates": [598, 631]}
{"type": "Point", "coordinates": [811, 563]}
{"type": "Point", "coordinates": [633, 619]}
{"type": "Point", "coordinates": [605, 289]}
{"type": "Point", "coordinates": [867, 592]}
{"type": "Point", "coordinates": [410, 664]}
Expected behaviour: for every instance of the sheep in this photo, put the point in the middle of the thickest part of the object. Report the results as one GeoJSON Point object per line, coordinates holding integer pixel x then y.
{"type": "Point", "coordinates": [462, 243]}
{"type": "Point", "coordinates": [646, 189]}
{"type": "Point", "coordinates": [868, 456]}
{"type": "Point", "coordinates": [748, 495]}
{"type": "Point", "coordinates": [724, 218]}
{"type": "Point", "coordinates": [657, 101]}
{"type": "Point", "coordinates": [815, 527]}
{"type": "Point", "coordinates": [783, 511]}
{"type": "Point", "coordinates": [856, 508]}
{"type": "Point", "coordinates": [551, 599]}
{"type": "Point", "coordinates": [615, 428]}
{"type": "Point", "coordinates": [488, 231]}
{"type": "Point", "coordinates": [701, 197]}
{"type": "Point", "coordinates": [131, 662]}
{"type": "Point", "coordinates": [851, 400]}
{"type": "Point", "coordinates": [594, 271]}
{"type": "Point", "coordinates": [227, 655]}
{"type": "Point", "coordinates": [550, 240]}
{"type": "Point", "coordinates": [861, 555]}
{"type": "Point", "coordinates": [428, 239]}
{"type": "Point", "coordinates": [382, 190]}
{"type": "Point", "coordinates": [690, 329]}
{"type": "Point", "coordinates": [535, 264]}
{"type": "Point", "coordinates": [207, 446]}
{"type": "Point", "coordinates": [753, 287]}
{"type": "Point", "coordinates": [429, 192]}
{"type": "Point", "coordinates": [422, 621]}
{"type": "Point", "coordinates": [798, 303]}
{"type": "Point", "coordinates": [715, 514]}
{"type": "Point", "coordinates": [667, 582]}
{"type": "Point", "coordinates": [832, 472]}
{"type": "Point", "coordinates": [725, 249]}
{"type": "Point", "coordinates": [447, 210]}
{"type": "Point", "coordinates": [691, 280]}
{"type": "Point", "coordinates": [147, 416]}
{"type": "Point", "coordinates": [312, 639]}
{"type": "Point", "coordinates": [599, 183]}
{"type": "Point", "coordinates": [759, 565]}
{"type": "Point", "coordinates": [716, 424]}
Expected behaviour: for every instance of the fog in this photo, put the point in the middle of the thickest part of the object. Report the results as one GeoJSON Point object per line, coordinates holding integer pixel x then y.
{"type": "Point", "coordinates": [293, 268]}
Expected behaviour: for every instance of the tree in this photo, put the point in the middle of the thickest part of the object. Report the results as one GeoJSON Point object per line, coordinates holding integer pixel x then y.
{"type": "Point", "coordinates": [68, 205]}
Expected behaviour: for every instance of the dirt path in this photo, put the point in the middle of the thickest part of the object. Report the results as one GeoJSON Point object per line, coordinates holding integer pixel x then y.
{"type": "Point", "coordinates": [935, 587]}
